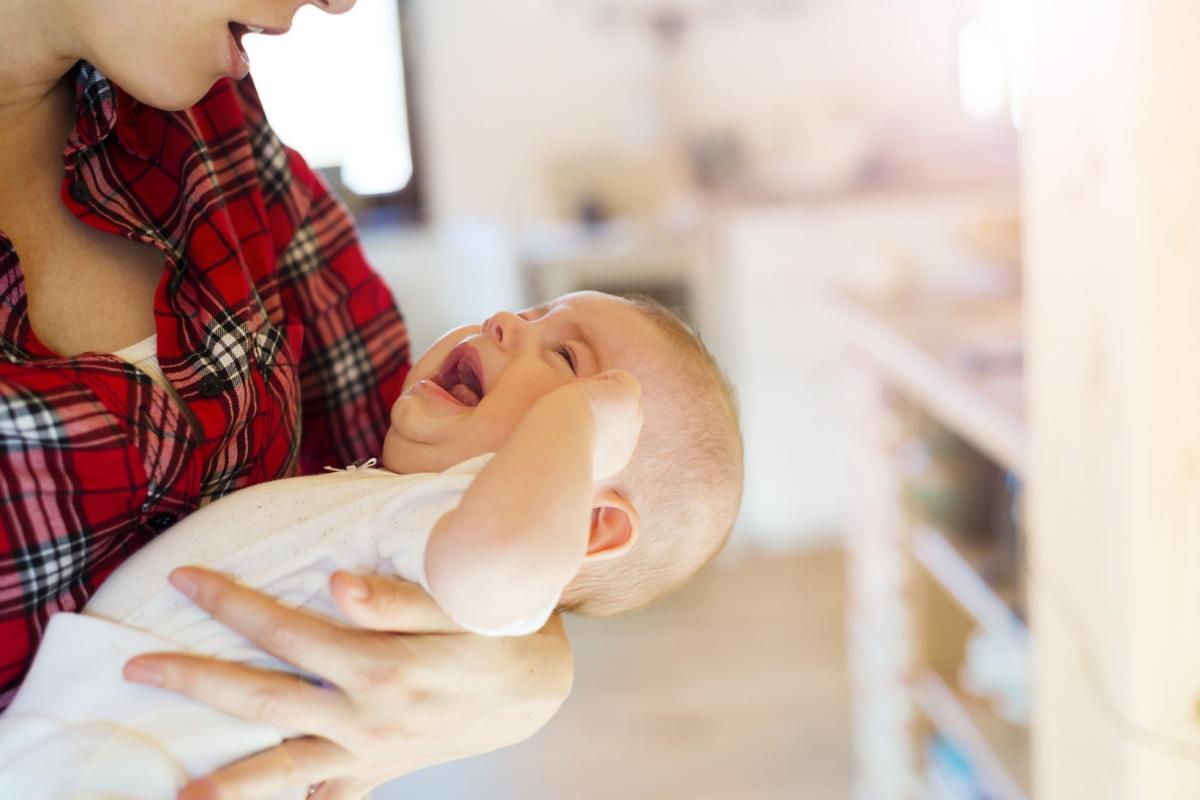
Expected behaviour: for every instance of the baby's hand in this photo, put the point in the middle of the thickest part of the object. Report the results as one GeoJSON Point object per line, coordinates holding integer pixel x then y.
{"type": "Point", "coordinates": [615, 398]}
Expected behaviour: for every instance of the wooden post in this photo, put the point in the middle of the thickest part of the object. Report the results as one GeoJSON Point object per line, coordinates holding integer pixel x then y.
{"type": "Point", "coordinates": [1112, 199]}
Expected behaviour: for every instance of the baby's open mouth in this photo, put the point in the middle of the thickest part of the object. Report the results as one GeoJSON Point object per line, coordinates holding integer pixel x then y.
{"type": "Point", "coordinates": [460, 376]}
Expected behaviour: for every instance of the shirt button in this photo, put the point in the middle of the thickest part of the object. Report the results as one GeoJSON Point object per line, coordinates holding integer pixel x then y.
{"type": "Point", "coordinates": [211, 386]}
{"type": "Point", "coordinates": [160, 522]}
{"type": "Point", "coordinates": [80, 191]}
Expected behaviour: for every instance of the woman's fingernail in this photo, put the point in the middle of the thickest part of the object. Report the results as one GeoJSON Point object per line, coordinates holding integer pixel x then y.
{"type": "Point", "coordinates": [359, 588]}
{"type": "Point", "coordinates": [353, 585]}
{"type": "Point", "coordinates": [185, 582]}
{"type": "Point", "coordinates": [140, 672]}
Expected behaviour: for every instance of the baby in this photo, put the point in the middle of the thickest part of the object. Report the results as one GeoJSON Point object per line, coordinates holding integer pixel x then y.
{"type": "Point", "coordinates": [583, 456]}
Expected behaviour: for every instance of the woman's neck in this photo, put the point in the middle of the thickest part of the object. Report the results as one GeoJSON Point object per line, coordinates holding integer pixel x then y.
{"type": "Point", "coordinates": [36, 104]}
{"type": "Point", "coordinates": [37, 47]}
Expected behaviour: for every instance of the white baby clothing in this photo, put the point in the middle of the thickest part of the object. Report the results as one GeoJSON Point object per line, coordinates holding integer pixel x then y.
{"type": "Point", "coordinates": [77, 729]}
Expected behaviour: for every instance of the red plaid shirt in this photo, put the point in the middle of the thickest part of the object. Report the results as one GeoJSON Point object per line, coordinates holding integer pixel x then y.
{"type": "Point", "coordinates": [269, 321]}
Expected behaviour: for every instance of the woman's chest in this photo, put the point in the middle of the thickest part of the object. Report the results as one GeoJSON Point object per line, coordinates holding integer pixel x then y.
{"type": "Point", "coordinates": [93, 272]}
{"type": "Point", "coordinates": [87, 291]}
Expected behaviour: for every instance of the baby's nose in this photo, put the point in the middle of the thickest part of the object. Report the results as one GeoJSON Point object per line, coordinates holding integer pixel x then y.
{"type": "Point", "coordinates": [504, 327]}
{"type": "Point", "coordinates": [334, 6]}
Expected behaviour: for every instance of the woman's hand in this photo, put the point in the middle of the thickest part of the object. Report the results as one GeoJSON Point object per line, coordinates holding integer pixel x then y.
{"type": "Point", "coordinates": [407, 691]}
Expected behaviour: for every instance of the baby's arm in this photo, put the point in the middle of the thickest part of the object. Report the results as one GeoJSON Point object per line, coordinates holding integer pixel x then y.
{"type": "Point", "coordinates": [521, 532]}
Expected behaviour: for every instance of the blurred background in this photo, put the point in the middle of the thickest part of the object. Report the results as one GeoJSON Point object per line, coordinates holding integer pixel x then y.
{"type": "Point", "coordinates": [828, 190]}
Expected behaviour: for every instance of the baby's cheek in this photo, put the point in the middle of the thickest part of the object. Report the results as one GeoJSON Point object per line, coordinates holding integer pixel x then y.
{"type": "Point", "coordinates": [501, 417]}
{"type": "Point", "coordinates": [392, 454]}
{"type": "Point", "coordinates": [396, 412]}
{"type": "Point", "coordinates": [534, 389]}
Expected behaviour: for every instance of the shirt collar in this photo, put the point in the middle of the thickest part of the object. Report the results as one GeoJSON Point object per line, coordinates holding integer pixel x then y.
{"type": "Point", "coordinates": [101, 108]}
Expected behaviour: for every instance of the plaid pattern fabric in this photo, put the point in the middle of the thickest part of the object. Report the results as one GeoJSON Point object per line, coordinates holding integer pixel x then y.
{"type": "Point", "coordinates": [270, 322]}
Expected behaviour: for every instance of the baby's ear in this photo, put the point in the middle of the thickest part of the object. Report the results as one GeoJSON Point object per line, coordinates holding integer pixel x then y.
{"type": "Point", "coordinates": [615, 524]}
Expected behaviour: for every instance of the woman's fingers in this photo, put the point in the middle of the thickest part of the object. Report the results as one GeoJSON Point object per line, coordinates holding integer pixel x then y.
{"type": "Point", "coordinates": [259, 695]}
{"type": "Point", "coordinates": [297, 762]}
{"type": "Point", "coordinates": [379, 603]}
{"type": "Point", "coordinates": [416, 700]}
{"type": "Point", "coordinates": [401, 702]}
{"type": "Point", "coordinates": [312, 643]}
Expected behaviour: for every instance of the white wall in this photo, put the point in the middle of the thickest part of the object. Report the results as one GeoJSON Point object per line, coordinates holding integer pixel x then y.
{"type": "Point", "coordinates": [507, 87]}
{"type": "Point", "coordinates": [447, 275]}
{"type": "Point", "coordinates": [827, 79]}
{"type": "Point", "coordinates": [783, 363]}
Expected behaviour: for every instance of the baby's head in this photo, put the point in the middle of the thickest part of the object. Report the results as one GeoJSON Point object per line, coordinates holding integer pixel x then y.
{"type": "Point", "coordinates": [466, 394]}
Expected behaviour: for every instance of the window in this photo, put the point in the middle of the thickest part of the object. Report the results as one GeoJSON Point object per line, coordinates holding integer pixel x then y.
{"type": "Point", "coordinates": [335, 89]}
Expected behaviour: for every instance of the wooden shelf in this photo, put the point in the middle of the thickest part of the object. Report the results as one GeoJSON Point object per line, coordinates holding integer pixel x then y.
{"type": "Point", "coordinates": [998, 751]}
{"type": "Point", "coordinates": [960, 361]}
{"type": "Point", "coordinates": [947, 564]}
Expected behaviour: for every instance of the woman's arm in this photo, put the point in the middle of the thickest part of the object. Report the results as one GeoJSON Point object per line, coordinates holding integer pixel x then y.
{"type": "Point", "coordinates": [75, 492]}
{"type": "Point", "coordinates": [355, 349]}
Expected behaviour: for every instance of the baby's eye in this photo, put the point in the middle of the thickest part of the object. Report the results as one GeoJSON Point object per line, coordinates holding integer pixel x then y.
{"type": "Point", "coordinates": [567, 355]}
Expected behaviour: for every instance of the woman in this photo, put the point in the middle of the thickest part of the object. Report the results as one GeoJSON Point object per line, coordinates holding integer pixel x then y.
{"type": "Point", "coordinates": [165, 215]}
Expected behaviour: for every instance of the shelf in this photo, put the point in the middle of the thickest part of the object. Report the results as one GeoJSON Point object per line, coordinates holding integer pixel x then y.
{"type": "Point", "coordinates": [960, 361]}
{"type": "Point", "coordinates": [961, 580]}
{"type": "Point", "coordinates": [998, 751]}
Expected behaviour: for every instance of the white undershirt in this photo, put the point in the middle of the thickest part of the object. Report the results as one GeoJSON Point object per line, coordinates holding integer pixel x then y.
{"type": "Point", "coordinates": [144, 356]}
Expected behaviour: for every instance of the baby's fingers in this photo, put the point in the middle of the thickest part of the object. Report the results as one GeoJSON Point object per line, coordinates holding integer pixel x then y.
{"type": "Point", "coordinates": [617, 381]}
{"type": "Point", "coordinates": [615, 400]}
{"type": "Point", "coordinates": [615, 397]}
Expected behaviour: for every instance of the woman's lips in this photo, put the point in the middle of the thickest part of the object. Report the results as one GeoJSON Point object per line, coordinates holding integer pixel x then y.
{"type": "Point", "coordinates": [239, 62]}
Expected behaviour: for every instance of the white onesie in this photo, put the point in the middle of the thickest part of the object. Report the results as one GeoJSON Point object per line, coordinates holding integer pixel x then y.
{"type": "Point", "coordinates": [77, 729]}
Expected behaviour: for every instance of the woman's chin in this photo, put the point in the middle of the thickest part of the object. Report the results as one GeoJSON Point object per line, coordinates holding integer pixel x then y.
{"type": "Point", "coordinates": [172, 91]}
{"type": "Point", "coordinates": [175, 100]}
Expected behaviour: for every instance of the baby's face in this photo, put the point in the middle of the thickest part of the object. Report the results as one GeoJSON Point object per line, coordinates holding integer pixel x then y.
{"type": "Point", "coordinates": [467, 393]}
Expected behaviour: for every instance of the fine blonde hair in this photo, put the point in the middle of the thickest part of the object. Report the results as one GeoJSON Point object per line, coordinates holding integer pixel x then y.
{"type": "Point", "coordinates": [685, 477]}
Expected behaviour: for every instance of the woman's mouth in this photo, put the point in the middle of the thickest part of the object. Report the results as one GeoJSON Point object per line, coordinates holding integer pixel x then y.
{"type": "Point", "coordinates": [461, 376]}
{"type": "Point", "coordinates": [239, 62]}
